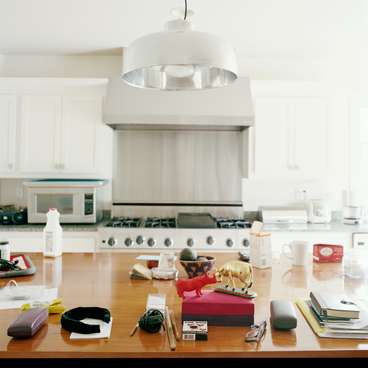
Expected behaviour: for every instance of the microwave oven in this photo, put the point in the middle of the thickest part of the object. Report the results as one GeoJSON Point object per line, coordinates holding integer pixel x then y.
{"type": "Point", "coordinates": [77, 201]}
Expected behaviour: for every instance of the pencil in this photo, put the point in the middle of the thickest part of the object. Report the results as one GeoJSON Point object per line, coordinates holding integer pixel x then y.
{"type": "Point", "coordinates": [134, 329]}
{"type": "Point", "coordinates": [175, 326]}
{"type": "Point", "coordinates": [169, 330]}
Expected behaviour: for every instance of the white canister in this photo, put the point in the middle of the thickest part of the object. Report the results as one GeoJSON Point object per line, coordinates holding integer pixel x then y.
{"type": "Point", "coordinates": [261, 250]}
{"type": "Point", "coordinates": [4, 250]}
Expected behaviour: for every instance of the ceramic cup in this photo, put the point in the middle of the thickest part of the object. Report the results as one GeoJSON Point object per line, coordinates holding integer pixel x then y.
{"type": "Point", "coordinates": [296, 251]}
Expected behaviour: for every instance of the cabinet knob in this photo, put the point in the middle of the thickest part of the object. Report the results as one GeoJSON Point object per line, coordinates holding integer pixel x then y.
{"type": "Point", "coordinates": [10, 166]}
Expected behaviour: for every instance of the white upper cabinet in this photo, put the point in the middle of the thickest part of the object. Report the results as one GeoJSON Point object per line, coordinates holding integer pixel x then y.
{"type": "Point", "coordinates": [58, 131]}
{"type": "Point", "coordinates": [291, 138]}
{"type": "Point", "coordinates": [81, 116]}
{"type": "Point", "coordinates": [309, 157]}
{"type": "Point", "coordinates": [40, 128]}
{"type": "Point", "coordinates": [7, 133]}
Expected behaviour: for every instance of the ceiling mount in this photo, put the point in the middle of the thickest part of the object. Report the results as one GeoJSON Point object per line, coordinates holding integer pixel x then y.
{"type": "Point", "coordinates": [179, 58]}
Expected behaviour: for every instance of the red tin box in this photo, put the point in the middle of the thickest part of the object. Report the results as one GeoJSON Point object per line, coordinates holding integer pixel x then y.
{"type": "Point", "coordinates": [323, 253]}
{"type": "Point", "coordinates": [218, 309]}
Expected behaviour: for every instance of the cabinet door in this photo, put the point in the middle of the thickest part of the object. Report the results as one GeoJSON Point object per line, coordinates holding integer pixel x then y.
{"type": "Point", "coordinates": [7, 133]}
{"type": "Point", "coordinates": [40, 134]}
{"type": "Point", "coordinates": [310, 147]}
{"type": "Point", "coordinates": [80, 118]}
{"type": "Point", "coordinates": [291, 138]}
{"type": "Point", "coordinates": [272, 138]}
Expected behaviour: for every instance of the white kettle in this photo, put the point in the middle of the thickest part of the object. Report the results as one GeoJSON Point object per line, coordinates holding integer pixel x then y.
{"type": "Point", "coordinates": [319, 212]}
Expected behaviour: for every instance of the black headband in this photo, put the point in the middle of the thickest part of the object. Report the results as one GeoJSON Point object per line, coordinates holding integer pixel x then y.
{"type": "Point", "coordinates": [71, 319]}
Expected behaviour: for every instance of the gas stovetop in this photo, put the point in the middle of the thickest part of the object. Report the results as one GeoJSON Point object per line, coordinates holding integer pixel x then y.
{"type": "Point", "coordinates": [170, 222]}
{"type": "Point", "coordinates": [197, 230]}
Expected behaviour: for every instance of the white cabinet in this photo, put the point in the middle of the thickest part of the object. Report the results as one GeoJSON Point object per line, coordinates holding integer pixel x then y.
{"type": "Point", "coordinates": [61, 136]}
{"type": "Point", "coordinates": [291, 137]}
{"type": "Point", "coordinates": [80, 117]}
{"type": "Point", "coordinates": [29, 242]}
{"type": "Point", "coordinates": [53, 128]}
{"type": "Point", "coordinates": [7, 133]}
{"type": "Point", "coordinates": [40, 129]}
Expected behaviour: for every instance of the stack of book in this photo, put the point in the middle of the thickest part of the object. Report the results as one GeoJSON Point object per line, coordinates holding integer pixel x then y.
{"type": "Point", "coordinates": [335, 316]}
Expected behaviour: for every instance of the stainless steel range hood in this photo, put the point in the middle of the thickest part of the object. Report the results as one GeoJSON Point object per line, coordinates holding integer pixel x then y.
{"type": "Point", "coordinates": [226, 108]}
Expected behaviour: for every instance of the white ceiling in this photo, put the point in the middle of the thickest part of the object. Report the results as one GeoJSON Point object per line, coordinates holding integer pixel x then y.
{"type": "Point", "coordinates": [315, 29]}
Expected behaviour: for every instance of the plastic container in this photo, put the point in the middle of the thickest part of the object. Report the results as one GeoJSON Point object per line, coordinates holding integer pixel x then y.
{"type": "Point", "coordinates": [4, 250]}
{"type": "Point", "coordinates": [52, 235]}
{"type": "Point", "coordinates": [261, 250]}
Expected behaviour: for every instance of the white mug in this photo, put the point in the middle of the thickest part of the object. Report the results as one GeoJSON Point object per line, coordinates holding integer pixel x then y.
{"type": "Point", "coordinates": [297, 252]}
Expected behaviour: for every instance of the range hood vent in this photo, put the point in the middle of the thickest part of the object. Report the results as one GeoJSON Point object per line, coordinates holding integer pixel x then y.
{"type": "Point", "coordinates": [227, 108]}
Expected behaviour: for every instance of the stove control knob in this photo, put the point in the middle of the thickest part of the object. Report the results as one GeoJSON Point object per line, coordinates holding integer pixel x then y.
{"type": "Point", "coordinates": [229, 243]}
{"type": "Point", "coordinates": [246, 243]}
{"type": "Point", "coordinates": [111, 241]}
{"type": "Point", "coordinates": [168, 242]}
{"type": "Point", "coordinates": [151, 242]}
{"type": "Point", "coordinates": [128, 242]}
{"type": "Point", "coordinates": [210, 240]}
{"type": "Point", "coordinates": [190, 242]}
{"type": "Point", "coordinates": [139, 240]}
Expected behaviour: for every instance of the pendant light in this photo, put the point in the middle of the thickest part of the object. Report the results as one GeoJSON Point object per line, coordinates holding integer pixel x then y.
{"type": "Point", "coordinates": [179, 58]}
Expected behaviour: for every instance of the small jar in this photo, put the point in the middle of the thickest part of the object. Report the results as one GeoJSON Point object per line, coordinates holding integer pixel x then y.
{"type": "Point", "coordinates": [4, 250]}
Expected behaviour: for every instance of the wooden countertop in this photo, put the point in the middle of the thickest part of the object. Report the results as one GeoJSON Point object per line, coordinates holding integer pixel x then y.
{"type": "Point", "coordinates": [102, 279]}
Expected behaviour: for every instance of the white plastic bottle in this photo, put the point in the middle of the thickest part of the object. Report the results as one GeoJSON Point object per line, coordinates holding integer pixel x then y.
{"type": "Point", "coordinates": [52, 235]}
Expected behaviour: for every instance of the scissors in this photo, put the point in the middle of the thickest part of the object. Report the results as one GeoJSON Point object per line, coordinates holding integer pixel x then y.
{"type": "Point", "coordinates": [257, 332]}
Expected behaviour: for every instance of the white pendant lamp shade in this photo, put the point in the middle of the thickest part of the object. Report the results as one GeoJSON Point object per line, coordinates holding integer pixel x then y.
{"type": "Point", "coordinates": [179, 58]}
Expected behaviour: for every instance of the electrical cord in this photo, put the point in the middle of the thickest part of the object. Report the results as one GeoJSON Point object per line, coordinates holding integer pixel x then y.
{"type": "Point", "coordinates": [151, 321]}
{"type": "Point", "coordinates": [186, 10]}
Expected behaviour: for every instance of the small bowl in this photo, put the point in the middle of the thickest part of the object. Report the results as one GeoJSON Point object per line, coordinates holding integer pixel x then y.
{"type": "Point", "coordinates": [198, 268]}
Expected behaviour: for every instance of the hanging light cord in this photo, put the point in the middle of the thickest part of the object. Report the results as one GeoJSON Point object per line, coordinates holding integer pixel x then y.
{"type": "Point", "coordinates": [186, 10]}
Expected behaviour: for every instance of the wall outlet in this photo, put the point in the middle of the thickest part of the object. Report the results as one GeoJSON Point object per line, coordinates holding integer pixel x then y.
{"type": "Point", "coordinates": [301, 194]}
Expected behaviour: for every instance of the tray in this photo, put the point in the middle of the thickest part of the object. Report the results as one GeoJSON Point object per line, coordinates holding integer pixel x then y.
{"type": "Point", "coordinates": [29, 270]}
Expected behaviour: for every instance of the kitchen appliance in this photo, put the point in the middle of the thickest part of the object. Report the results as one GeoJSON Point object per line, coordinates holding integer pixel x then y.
{"type": "Point", "coordinates": [352, 215]}
{"type": "Point", "coordinates": [319, 211]}
{"type": "Point", "coordinates": [128, 107]}
{"type": "Point", "coordinates": [198, 230]}
{"type": "Point", "coordinates": [78, 201]}
{"type": "Point", "coordinates": [360, 240]}
{"type": "Point", "coordinates": [284, 215]}
{"type": "Point", "coordinates": [13, 215]}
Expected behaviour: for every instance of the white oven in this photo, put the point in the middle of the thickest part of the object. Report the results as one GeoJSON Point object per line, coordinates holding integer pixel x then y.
{"type": "Point", "coordinates": [76, 200]}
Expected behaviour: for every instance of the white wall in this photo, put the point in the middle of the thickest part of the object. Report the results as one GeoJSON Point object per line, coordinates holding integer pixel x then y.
{"type": "Point", "coordinates": [77, 66]}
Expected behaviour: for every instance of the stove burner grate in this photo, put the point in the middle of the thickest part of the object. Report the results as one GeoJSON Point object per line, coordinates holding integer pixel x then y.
{"type": "Point", "coordinates": [125, 222]}
{"type": "Point", "coordinates": [168, 222]}
{"type": "Point", "coordinates": [225, 223]}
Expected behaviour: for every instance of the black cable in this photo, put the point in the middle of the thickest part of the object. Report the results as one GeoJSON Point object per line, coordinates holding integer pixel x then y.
{"type": "Point", "coordinates": [186, 10]}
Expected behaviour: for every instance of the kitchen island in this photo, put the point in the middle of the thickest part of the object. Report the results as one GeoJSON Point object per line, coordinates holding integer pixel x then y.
{"type": "Point", "coordinates": [102, 279]}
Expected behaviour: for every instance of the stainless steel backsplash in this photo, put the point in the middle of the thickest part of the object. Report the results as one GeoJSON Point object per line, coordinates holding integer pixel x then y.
{"type": "Point", "coordinates": [164, 166]}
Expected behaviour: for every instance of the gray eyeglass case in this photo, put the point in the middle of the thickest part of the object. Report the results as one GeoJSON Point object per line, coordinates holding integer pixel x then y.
{"type": "Point", "coordinates": [28, 323]}
{"type": "Point", "coordinates": [283, 315]}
